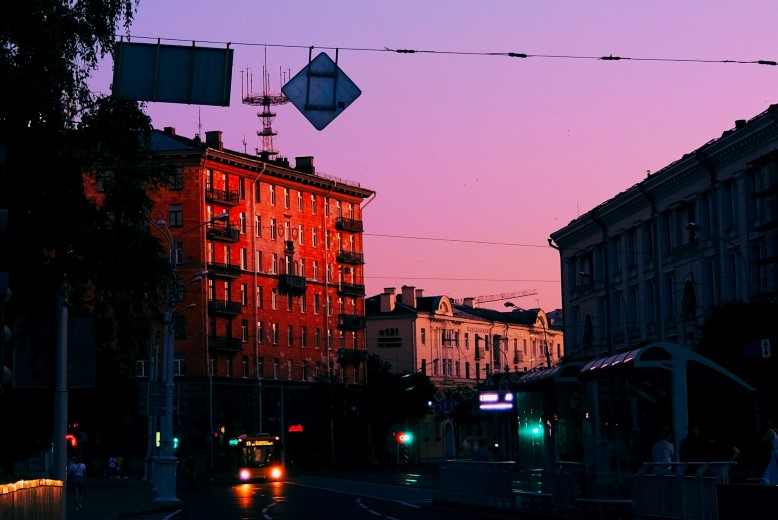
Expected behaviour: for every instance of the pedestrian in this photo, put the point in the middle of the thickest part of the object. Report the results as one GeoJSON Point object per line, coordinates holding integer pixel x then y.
{"type": "Point", "coordinates": [770, 437]}
{"type": "Point", "coordinates": [191, 471]}
{"type": "Point", "coordinates": [77, 473]}
{"type": "Point", "coordinates": [662, 452]}
{"type": "Point", "coordinates": [111, 467]}
{"type": "Point", "coordinates": [692, 450]}
{"type": "Point", "coordinates": [121, 467]}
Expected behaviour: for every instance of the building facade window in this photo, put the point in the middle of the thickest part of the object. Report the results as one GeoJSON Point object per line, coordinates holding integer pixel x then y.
{"type": "Point", "coordinates": [176, 216]}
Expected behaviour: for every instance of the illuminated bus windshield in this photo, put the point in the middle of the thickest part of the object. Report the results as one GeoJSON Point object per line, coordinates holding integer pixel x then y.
{"type": "Point", "coordinates": [257, 452]}
{"type": "Point", "coordinates": [257, 457]}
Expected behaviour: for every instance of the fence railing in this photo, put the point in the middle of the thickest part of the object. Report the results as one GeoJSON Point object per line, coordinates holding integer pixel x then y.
{"type": "Point", "coordinates": [36, 499]}
{"type": "Point", "coordinates": [685, 490]}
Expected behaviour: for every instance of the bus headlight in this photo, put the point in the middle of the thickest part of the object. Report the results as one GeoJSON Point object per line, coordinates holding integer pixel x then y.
{"type": "Point", "coordinates": [276, 473]}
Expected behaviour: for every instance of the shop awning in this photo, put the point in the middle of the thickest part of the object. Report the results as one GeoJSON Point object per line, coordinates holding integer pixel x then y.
{"type": "Point", "coordinates": [566, 373]}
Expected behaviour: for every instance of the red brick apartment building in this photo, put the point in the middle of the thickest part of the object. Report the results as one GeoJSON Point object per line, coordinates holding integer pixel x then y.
{"type": "Point", "coordinates": [269, 315]}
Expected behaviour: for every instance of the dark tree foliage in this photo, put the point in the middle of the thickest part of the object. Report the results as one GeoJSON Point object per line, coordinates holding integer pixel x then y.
{"type": "Point", "coordinates": [52, 132]}
{"type": "Point", "coordinates": [395, 399]}
{"type": "Point", "coordinates": [731, 336]}
{"type": "Point", "coordinates": [465, 401]}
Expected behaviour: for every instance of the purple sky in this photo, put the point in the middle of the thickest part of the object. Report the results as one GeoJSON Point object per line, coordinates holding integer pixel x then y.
{"type": "Point", "coordinates": [480, 158]}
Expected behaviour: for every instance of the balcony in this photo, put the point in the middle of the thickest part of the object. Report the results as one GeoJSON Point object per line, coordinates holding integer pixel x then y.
{"type": "Point", "coordinates": [225, 344]}
{"type": "Point", "coordinates": [224, 270]}
{"type": "Point", "coordinates": [222, 232]}
{"type": "Point", "coordinates": [348, 224]}
{"type": "Point", "coordinates": [291, 284]}
{"type": "Point", "coordinates": [227, 198]}
{"type": "Point", "coordinates": [350, 257]}
{"type": "Point", "coordinates": [223, 307]}
{"type": "Point", "coordinates": [351, 322]}
{"type": "Point", "coordinates": [351, 289]}
{"type": "Point", "coordinates": [351, 357]}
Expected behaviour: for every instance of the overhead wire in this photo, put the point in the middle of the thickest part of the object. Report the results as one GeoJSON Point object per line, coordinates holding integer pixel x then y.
{"type": "Point", "coordinates": [507, 54]}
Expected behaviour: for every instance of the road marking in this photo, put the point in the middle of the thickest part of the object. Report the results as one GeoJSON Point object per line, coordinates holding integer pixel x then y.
{"type": "Point", "coordinates": [363, 506]}
{"type": "Point", "coordinates": [266, 509]}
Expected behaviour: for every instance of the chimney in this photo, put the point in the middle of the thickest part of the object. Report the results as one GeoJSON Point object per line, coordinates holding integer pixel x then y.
{"type": "Point", "coordinates": [169, 130]}
{"type": "Point", "coordinates": [419, 293]}
{"type": "Point", "coordinates": [305, 165]}
{"type": "Point", "coordinates": [213, 139]}
{"type": "Point", "coordinates": [470, 302]}
{"type": "Point", "coordinates": [387, 300]}
{"type": "Point", "coordinates": [409, 295]}
{"type": "Point", "coordinates": [740, 123]}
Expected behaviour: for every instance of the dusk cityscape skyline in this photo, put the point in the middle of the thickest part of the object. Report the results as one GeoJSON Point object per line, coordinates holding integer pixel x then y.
{"type": "Point", "coordinates": [471, 169]}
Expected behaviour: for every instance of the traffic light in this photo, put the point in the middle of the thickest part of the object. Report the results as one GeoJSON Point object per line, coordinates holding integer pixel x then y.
{"type": "Point", "coordinates": [404, 437]}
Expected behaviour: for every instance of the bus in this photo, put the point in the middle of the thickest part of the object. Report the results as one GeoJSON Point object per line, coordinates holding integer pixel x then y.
{"type": "Point", "coordinates": [257, 457]}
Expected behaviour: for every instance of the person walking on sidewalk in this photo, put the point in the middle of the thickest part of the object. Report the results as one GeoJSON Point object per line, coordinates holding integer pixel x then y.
{"type": "Point", "coordinates": [191, 472]}
{"type": "Point", "coordinates": [78, 474]}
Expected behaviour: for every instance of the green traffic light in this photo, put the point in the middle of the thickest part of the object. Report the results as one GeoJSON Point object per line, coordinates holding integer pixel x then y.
{"type": "Point", "coordinates": [405, 437]}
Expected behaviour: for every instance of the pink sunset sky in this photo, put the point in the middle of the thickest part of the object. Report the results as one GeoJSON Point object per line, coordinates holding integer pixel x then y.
{"type": "Point", "coordinates": [477, 158]}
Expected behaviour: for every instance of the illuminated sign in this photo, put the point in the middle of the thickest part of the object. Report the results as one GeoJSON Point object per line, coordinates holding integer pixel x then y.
{"type": "Point", "coordinates": [493, 400]}
{"type": "Point", "coordinates": [259, 443]}
{"type": "Point", "coordinates": [296, 428]}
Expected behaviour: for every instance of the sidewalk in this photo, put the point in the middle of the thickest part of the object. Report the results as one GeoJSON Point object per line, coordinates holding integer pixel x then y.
{"type": "Point", "coordinates": [107, 499]}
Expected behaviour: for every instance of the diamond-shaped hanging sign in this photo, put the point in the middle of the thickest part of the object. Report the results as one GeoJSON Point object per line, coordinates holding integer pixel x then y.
{"type": "Point", "coordinates": [321, 91]}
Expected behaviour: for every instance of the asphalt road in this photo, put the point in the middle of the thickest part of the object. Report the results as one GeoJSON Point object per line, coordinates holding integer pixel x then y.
{"type": "Point", "coordinates": [314, 497]}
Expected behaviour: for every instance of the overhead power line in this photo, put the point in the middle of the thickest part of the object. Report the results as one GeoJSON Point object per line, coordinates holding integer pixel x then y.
{"type": "Point", "coordinates": [457, 240]}
{"type": "Point", "coordinates": [504, 54]}
{"type": "Point", "coordinates": [453, 279]}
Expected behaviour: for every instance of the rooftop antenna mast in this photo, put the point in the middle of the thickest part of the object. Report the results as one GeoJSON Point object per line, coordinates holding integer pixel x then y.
{"type": "Point", "coordinates": [266, 100]}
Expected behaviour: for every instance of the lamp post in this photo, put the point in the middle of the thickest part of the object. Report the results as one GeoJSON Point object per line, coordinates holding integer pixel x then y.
{"type": "Point", "coordinates": [166, 462]}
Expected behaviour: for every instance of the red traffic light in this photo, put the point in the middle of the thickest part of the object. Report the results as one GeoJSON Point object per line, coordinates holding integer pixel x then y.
{"type": "Point", "coordinates": [404, 437]}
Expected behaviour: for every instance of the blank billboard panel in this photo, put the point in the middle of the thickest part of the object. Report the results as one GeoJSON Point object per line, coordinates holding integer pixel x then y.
{"type": "Point", "coordinates": [172, 73]}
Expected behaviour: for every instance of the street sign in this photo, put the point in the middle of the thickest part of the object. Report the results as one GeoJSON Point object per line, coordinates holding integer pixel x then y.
{"type": "Point", "coordinates": [321, 91]}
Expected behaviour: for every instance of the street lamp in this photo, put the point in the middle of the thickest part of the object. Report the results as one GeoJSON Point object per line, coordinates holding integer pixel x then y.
{"type": "Point", "coordinates": [545, 339]}
{"type": "Point", "coordinates": [166, 462]}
